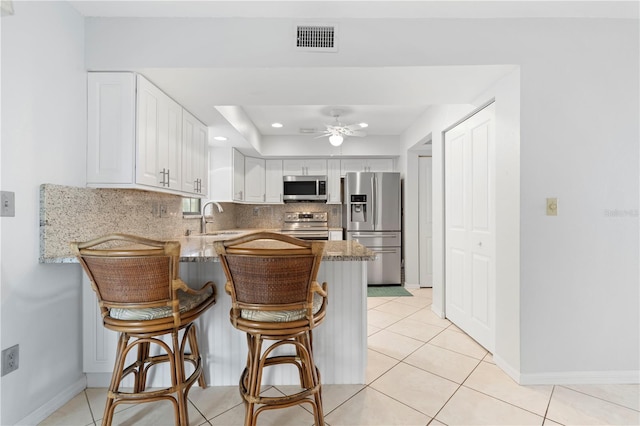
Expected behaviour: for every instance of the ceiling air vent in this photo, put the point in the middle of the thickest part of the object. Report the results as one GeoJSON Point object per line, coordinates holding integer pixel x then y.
{"type": "Point", "coordinates": [316, 38]}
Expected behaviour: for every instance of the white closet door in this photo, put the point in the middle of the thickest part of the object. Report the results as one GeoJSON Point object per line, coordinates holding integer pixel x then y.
{"type": "Point", "coordinates": [470, 226]}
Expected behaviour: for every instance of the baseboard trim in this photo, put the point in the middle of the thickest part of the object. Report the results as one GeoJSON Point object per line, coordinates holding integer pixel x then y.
{"type": "Point", "coordinates": [55, 403]}
{"type": "Point", "coordinates": [98, 380]}
{"type": "Point", "coordinates": [581, 378]}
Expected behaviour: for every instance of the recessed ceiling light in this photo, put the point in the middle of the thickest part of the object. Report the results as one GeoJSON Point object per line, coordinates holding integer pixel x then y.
{"type": "Point", "coordinates": [277, 125]}
{"type": "Point", "coordinates": [220, 138]}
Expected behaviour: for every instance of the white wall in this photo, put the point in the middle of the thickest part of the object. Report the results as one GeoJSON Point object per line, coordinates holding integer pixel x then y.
{"type": "Point", "coordinates": [579, 142]}
{"type": "Point", "coordinates": [43, 140]}
{"type": "Point", "coordinates": [506, 94]}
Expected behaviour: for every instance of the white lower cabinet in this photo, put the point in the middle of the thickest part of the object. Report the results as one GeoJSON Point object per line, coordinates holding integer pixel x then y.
{"type": "Point", "coordinates": [335, 235]}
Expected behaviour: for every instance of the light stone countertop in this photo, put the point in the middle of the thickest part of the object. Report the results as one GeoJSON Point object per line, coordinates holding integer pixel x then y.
{"type": "Point", "coordinates": [199, 248]}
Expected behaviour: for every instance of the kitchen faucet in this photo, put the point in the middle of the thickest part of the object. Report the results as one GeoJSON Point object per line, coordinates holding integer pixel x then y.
{"type": "Point", "coordinates": [203, 222]}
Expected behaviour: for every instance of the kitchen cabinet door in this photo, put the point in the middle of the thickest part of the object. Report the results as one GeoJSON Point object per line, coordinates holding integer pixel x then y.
{"type": "Point", "coordinates": [254, 183]}
{"type": "Point", "coordinates": [352, 165]}
{"type": "Point", "coordinates": [335, 235]}
{"type": "Point", "coordinates": [273, 184]}
{"type": "Point", "coordinates": [159, 137]}
{"type": "Point", "coordinates": [304, 166]}
{"type": "Point", "coordinates": [194, 155]}
{"type": "Point", "coordinates": [380, 164]}
{"type": "Point", "coordinates": [221, 174]}
{"type": "Point", "coordinates": [366, 165]}
{"type": "Point", "coordinates": [334, 195]}
{"type": "Point", "coordinates": [238, 176]}
{"type": "Point", "coordinates": [111, 126]}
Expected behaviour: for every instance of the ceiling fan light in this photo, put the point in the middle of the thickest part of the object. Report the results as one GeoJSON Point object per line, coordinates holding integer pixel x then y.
{"type": "Point", "coordinates": [363, 125]}
{"type": "Point", "coordinates": [336, 140]}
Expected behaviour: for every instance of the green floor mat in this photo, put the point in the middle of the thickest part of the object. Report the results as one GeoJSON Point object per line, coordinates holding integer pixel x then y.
{"type": "Point", "coordinates": [387, 291]}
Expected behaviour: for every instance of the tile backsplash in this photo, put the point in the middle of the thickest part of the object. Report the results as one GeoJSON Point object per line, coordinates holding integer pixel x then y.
{"type": "Point", "coordinates": [80, 214]}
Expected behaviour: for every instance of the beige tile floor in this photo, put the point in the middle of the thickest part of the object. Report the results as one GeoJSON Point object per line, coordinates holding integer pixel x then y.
{"type": "Point", "coordinates": [422, 370]}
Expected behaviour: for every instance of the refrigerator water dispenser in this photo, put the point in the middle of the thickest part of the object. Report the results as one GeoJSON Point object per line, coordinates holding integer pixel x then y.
{"type": "Point", "coordinates": [358, 208]}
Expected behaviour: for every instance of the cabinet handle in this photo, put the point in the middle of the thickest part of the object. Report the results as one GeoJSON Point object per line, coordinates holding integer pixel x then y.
{"type": "Point", "coordinates": [168, 177]}
{"type": "Point", "coordinates": [163, 173]}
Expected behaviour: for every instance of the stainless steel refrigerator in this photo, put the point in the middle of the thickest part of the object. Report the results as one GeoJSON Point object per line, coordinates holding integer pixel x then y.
{"type": "Point", "coordinates": [372, 217]}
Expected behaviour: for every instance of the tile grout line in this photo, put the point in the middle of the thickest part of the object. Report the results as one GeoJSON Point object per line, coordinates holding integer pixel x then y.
{"type": "Point", "coordinates": [597, 397]}
{"type": "Point", "coordinates": [86, 397]}
{"type": "Point", "coordinates": [553, 389]}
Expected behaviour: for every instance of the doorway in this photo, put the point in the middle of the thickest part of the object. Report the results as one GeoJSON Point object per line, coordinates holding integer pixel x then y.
{"type": "Point", "coordinates": [425, 221]}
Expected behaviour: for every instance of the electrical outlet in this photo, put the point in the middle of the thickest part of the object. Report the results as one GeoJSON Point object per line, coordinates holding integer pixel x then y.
{"type": "Point", "coordinates": [256, 211]}
{"type": "Point", "coordinates": [10, 359]}
{"type": "Point", "coordinates": [7, 204]}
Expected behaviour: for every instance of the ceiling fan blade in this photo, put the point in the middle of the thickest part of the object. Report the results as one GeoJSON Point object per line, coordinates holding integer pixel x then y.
{"type": "Point", "coordinates": [358, 133]}
{"type": "Point", "coordinates": [354, 126]}
{"type": "Point", "coordinates": [323, 135]}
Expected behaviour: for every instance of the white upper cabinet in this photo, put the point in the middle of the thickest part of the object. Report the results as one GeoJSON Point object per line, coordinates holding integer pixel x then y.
{"type": "Point", "coordinates": [159, 138]}
{"type": "Point", "coordinates": [111, 127]}
{"type": "Point", "coordinates": [195, 164]}
{"type": "Point", "coordinates": [304, 166]}
{"type": "Point", "coordinates": [135, 137]}
{"type": "Point", "coordinates": [273, 181]}
{"type": "Point", "coordinates": [238, 176]}
{"type": "Point", "coordinates": [333, 182]}
{"type": "Point", "coordinates": [366, 165]}
{"type": "Point", "coordinates": [254, 180]}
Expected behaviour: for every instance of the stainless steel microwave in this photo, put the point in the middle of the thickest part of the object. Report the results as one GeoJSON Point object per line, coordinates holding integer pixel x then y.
{"type": "Point", "coordinates": [304, 188]}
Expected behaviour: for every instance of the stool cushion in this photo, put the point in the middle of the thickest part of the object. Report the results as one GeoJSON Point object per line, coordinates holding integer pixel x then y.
{"type": "Point", "coordinates": [188, 301]}
{"type": "Point", "coordinates": [281, 316]}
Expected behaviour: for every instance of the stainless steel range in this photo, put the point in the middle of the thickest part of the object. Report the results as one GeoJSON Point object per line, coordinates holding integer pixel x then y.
{"type": "Point", "coordinates": [306, 225]}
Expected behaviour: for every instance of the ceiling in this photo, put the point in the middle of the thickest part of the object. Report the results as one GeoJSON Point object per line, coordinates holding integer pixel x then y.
{"type": "Point", "coordinates": [389, 99]}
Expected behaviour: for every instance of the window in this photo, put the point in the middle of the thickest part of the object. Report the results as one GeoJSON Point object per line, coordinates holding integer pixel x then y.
{"type": "Point", "coordinates": [190, 206]}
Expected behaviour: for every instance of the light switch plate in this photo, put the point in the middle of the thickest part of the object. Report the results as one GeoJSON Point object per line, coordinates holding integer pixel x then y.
{"type": "Point", "coordinates": [552, 206]}
{"type": "Point", "coordinates": [7, 204]}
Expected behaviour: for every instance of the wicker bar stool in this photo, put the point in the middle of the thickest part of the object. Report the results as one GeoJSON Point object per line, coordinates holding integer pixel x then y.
{"type": "Point", "coordinates": [141, 297]}
{"type": "Point", "coordinates": [275, 296]}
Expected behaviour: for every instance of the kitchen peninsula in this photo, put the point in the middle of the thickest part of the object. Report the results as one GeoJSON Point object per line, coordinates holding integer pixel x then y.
{"type": "Point", "coordinates": [79, 214]}
{"type": "Point", "coordinates": [340, 343]}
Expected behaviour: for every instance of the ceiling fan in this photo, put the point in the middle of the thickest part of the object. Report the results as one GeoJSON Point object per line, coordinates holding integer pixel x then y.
{"type": "Point", "coordinates": [338, 131]}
